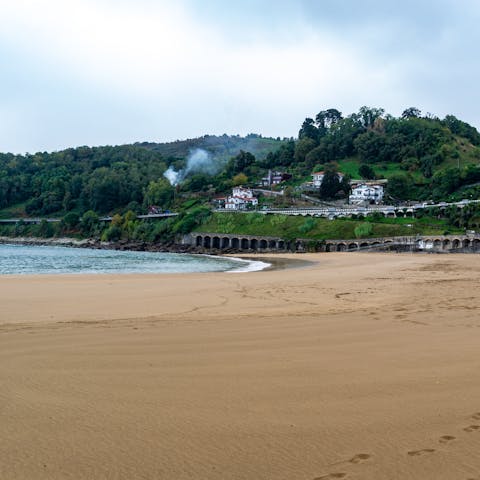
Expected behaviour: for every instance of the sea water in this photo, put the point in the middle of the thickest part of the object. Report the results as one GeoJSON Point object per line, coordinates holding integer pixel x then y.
{"type": "Point", "coordinates": [31, 260]}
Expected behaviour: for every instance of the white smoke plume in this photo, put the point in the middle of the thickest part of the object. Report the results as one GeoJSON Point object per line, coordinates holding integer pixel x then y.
{"type": "Point", "coordinates": [172, 176]}
{"type": "Point", "coordinates": [199, 161]}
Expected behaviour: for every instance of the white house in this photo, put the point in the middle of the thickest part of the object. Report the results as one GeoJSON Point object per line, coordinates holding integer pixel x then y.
{"type": "Point", "coordinates": [318, 179]}
{"type": "Point", "coordinates": [365, 192]}
{"type": "Point", "coordinates": [240, 199]}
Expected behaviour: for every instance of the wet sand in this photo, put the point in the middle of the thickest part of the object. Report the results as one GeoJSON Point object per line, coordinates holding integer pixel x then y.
{"type": "Point", "coordinates": [358, 366]}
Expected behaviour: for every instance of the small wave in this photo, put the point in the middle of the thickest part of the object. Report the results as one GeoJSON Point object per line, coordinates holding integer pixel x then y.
{"type": "Point", "coordinates": [248, 265]}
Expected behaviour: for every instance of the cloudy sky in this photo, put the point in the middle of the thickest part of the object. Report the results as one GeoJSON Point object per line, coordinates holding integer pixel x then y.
{"type": "Point", "coordinates": [97, 72]}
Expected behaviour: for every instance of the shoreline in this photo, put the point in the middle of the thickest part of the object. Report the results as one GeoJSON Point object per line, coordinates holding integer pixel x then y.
{"type": "Point", "coordinates": [273, 260]}
{"type": "Point", "coordinates": [255, 263]}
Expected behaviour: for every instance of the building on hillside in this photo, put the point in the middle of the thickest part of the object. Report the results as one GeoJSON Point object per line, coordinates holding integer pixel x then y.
{"type": "Point", "coordinates": [274, 178]}
{"type": "Point", "coordinates": [317, 178]}
{"type": "Point", "coordinates": [241, 199]}
{"type": "Point", "coordinates": [366, 192]}
{"type": "Point", "coordinates": [219, 202]}
{"type": "Point", "coordinates": [154, 210]}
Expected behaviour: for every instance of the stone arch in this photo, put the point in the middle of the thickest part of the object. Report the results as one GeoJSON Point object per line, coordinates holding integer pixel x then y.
{"type": "Point", "coordinates": [466, 243]}
{"type": "Point", "coordinates": [244, 244]}
{"type": "Point", "coordinates": [281, 245]}
{"type": "Point", "coordinates": [437, 243]}
{"type": "Point", "coordinates": [272, 244]}
{"type": "Point", "coordinates": [199, 241]}
{"type": "Point", "coordinates": [456, 243]}
{"type": "Point", "coordinates": [299, 246]}
{"type": "Point", "coordinates": [206, 241]}
{"type": "Point", "coordinates": [254, 244]}
{"type": "Point", "coordinates": [215, 242]}
{"type": "Point", "coordinates": [446, 244]}
{"type": "Point", "coordinates": [341, 247]}
{"type": "Point", "coordinates": [225, 242]}
{"type": "Point", "coordinates": [329, 247]}
{"type": "Point", "coordinates": [364, 245]}
{"type": "Point", "coordinates": [476, 244]}
{"type": "Point", "coordinates": [263, 244]}
{"type": "Point", "coordinates": [353, 246]}
{"type": "Point", "coordinates": [235, 243]}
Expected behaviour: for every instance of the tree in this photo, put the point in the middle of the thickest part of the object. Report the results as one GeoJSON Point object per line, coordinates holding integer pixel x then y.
{"type": "Point", "coordinates": [303, 147]}
{"type": "Point", "coordinates": [239, 179]}
{"type": "Point", "coordinates": [112, 234]}
{"type": "Point", "coordinates": [399, 187]}
{"type": "Point", "coordinates": [117, 220]}
{"type": "Point", "coordinates": [308, 130]}
{"type": "Point", "coordinates": [372, 147]}
{"type": "Point", "coordinates": [368, 115]}
{"type": "Point", "coordinates": [326, 118]}
{"type": "Point", "coordinates": [411, 112]}
{"type": "Point", "coordinates": [46, 229]}
{"type": "Point", "coordinates": [330, 185]}
{"type": "Point", "coordinates": [458, 127]}
{"type": "Point", "coordinates": [288, 195]}
{"type": "Point", "coordinates": [366, 171]}
{"type": "Point", "coordinates": [89, 222]}
{"type": "Point", "coordinates": [158, 192]}
{"type": "Point", "coordinates": [240, 162]}
{"type": "Point", "coordinates": [70, 220]}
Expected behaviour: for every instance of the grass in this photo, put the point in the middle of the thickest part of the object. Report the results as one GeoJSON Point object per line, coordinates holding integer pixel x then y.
{"type": "Point", "coordinates": [289, 227]}
{"type": "Point", "coordinates": [351, 166]}
{"type": "Point", "coordinates": [17, 210]}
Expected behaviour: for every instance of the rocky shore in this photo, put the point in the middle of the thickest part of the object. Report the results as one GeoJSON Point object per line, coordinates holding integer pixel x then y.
{"type": "Point", "coordinates": [170, 247]}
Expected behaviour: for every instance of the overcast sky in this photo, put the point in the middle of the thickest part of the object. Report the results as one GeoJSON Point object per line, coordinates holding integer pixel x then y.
{"type": "Point", "coordinates": [98, 72]}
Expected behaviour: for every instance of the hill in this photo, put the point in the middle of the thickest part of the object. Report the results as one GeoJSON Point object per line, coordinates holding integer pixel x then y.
{"type": "Point", "coordinates": [423, 158]}
{"type": "Point", "coordinates": [222, 147]}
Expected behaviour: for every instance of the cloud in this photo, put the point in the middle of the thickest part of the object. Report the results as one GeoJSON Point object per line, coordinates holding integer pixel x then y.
{"type": "Point", "coordinates": [96, 72]}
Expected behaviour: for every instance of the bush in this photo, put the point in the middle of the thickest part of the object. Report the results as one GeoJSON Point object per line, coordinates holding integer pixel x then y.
{"type": "Point", "coordinates": [89, 222]}
{"type": "Point", "coordinates": [46, 229]}
{"type": "Point", "coordinates": [366, 171]}
{"type": "Point", "coordinates": [70, 220]}
{"type": "Point", "coordinates": [112, 234]}
{"type": "Point", "coordinates": [308, 225]}
{"type": "Point", "coordinates": [363, 230]}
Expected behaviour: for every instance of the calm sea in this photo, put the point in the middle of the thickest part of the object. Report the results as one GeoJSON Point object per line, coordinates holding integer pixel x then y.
{"type": "Point", "coordinates": [20, 259]}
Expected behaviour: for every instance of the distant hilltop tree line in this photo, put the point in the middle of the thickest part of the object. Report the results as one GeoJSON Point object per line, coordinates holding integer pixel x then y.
{"type": "Point", "coordinates": [423, 156]}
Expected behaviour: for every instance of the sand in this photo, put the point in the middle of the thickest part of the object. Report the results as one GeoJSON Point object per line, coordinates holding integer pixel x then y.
{"type": "Point", "coordinates": [360, 366]}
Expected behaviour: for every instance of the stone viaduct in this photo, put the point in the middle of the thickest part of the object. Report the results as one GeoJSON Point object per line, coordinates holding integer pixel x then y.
{"type": "Point", "coordinates": [254, 243]}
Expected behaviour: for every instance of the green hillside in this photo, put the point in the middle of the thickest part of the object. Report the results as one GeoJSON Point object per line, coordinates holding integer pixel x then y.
{"type": "Point", "coordinates": [291, 227]}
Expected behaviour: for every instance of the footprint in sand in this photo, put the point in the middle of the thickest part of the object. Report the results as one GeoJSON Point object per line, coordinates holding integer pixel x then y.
{"type": "Point", "coordinates": [360, 457]}
{"type": "Point", "coordinates": [472, 428]}
{"type": "Point", "coordinates": [415, 453]}
{"type": "Point", "coordinates": [331, 476]}
{"type": "Point", "coordinates": [476, 416]}
{"type": "Point", "coordinates": [446, 438]}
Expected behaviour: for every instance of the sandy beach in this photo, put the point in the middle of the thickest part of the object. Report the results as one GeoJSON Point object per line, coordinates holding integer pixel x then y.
{"type": "Point", "coordinates": [359, 366]}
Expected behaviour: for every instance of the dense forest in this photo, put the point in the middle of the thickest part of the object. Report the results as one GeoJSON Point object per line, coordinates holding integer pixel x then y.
{"type": "Point", "coordinates": [106, 179]}
{"type": "Point", "coordinates": [422, 156]}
